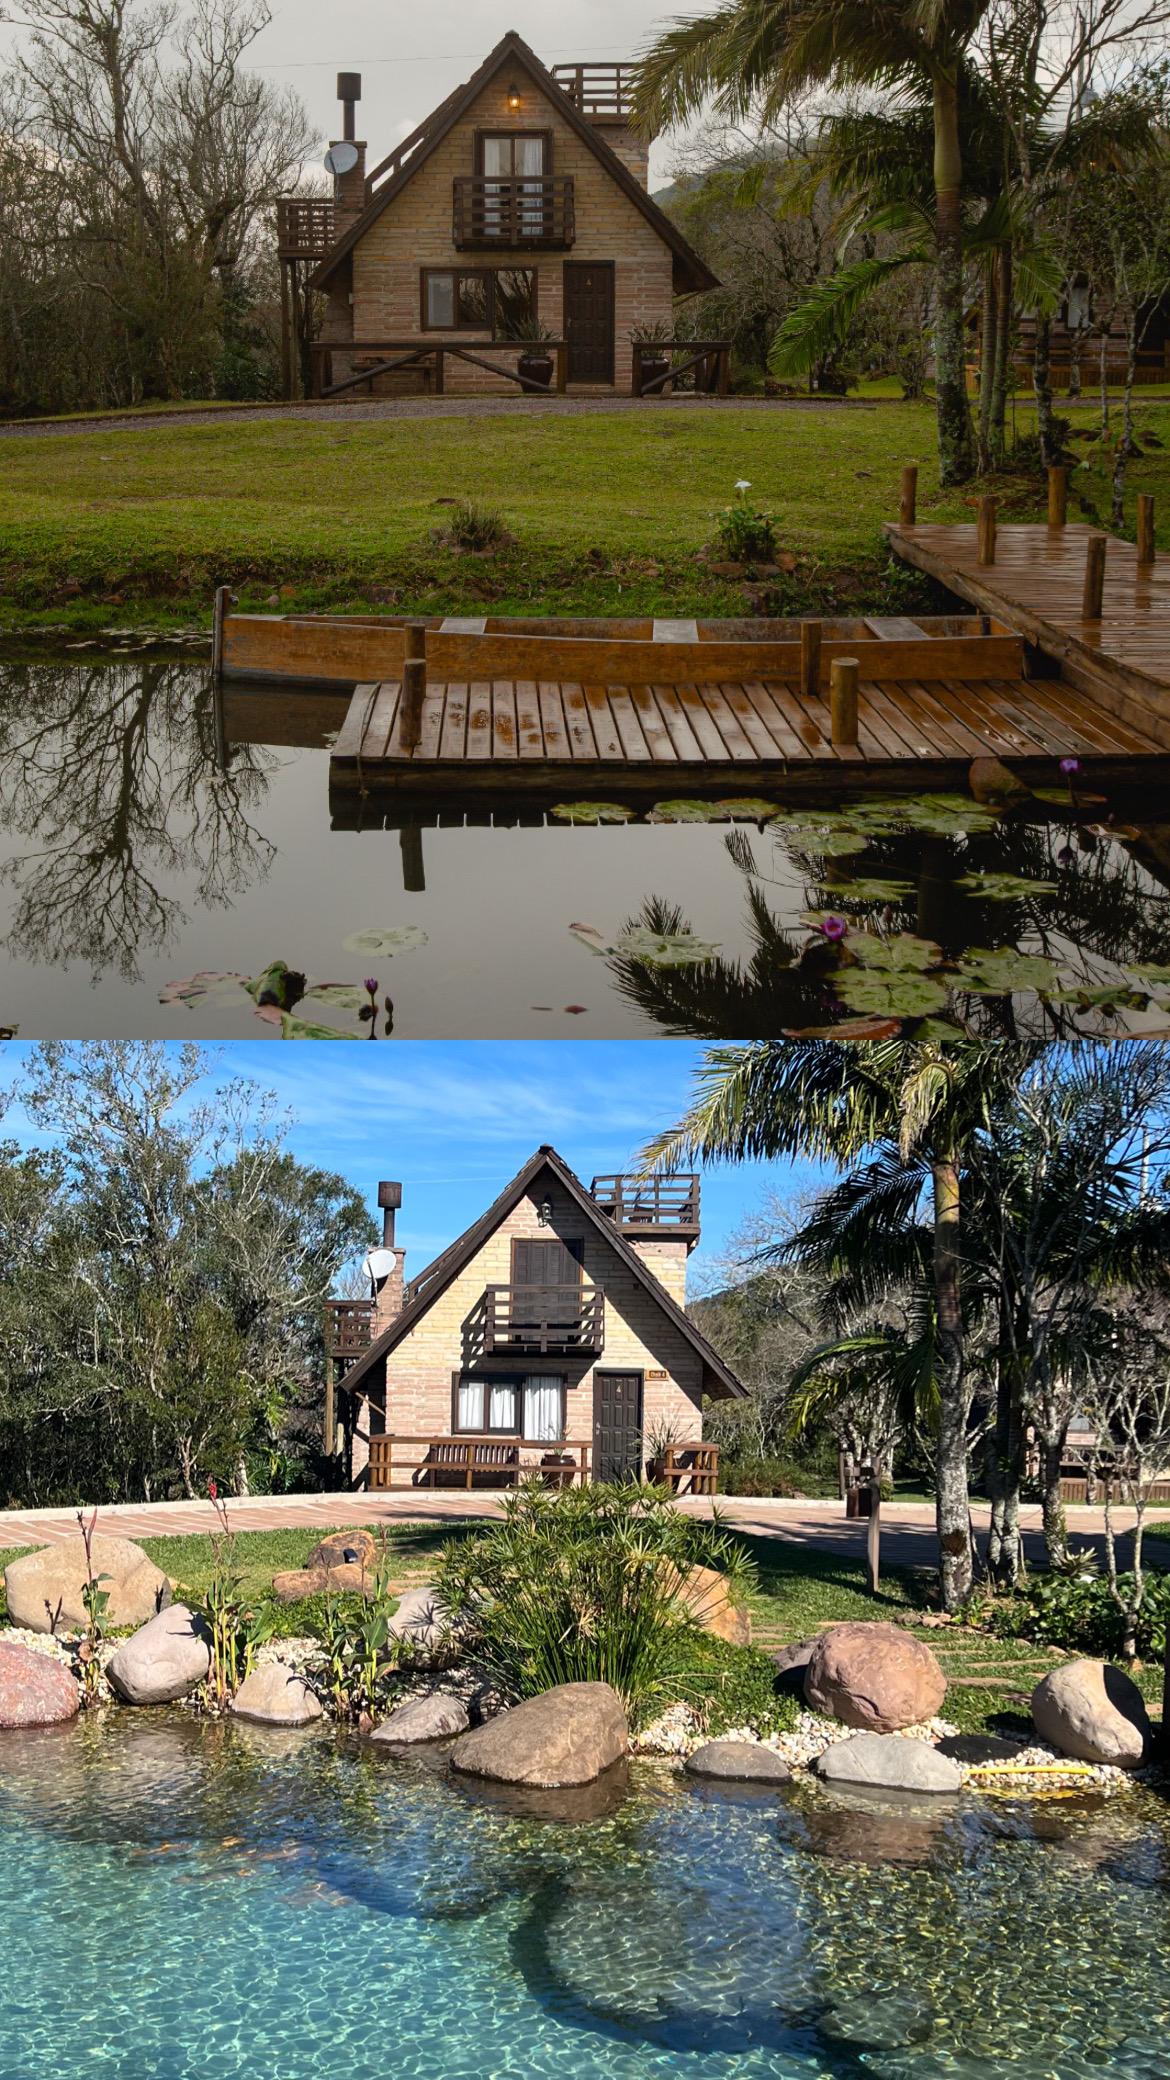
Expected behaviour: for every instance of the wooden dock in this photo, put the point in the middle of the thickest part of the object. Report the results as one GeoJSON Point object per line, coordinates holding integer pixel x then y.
{"type": "Point", "coordinates": [740, 736]}
{"type": "Point", "coordinates": [1036, 580]}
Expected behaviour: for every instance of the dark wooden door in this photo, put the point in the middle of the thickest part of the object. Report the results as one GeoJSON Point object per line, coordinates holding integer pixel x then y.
{"type": "Point", "coordinates": [589, 320]}
{"type": "Point", "coordinates": [617, 1425]}
{"type": "Point", "coordinates": [546, 1262]}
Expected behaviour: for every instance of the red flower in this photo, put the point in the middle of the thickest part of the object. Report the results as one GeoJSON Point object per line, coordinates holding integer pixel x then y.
{"type": "Point", "coordinates": [212, 1490]}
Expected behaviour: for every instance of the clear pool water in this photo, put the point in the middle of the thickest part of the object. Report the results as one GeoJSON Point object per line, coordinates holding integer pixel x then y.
{"type": "Point", "coordinates": [146, 838]}
{"type": "Point", "coordinates": [184, 1899]}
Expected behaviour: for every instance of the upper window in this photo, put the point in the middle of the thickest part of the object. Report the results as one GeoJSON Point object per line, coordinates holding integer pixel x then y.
{"type": "Point", "coordinates": [514, 154]}
{"type": "Point", "coordinates": [484, 299]}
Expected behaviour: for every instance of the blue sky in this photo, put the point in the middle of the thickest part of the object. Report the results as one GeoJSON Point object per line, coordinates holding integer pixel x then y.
{"type": "Point", "coordinates": [454, 1120]}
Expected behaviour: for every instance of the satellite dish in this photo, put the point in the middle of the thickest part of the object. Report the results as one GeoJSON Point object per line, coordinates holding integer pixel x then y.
{"type": "Point", "coordinates": [380, 1264]}
{"type": "Point", "coordinates": [341, 158]}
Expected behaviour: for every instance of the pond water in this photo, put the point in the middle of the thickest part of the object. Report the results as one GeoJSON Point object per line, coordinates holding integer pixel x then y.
{"type": "Point", "coordinates": [188, 1899]}
{"type": "Point", "coordinates": [158, 852]}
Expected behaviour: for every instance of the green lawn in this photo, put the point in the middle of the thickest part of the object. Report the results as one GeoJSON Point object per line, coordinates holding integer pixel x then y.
{"type": "Point", "coordinates": [608, 512]}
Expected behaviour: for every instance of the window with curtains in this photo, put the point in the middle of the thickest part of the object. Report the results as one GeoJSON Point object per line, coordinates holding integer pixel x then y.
{"type": "Point", "coordinates": [531, 1407]}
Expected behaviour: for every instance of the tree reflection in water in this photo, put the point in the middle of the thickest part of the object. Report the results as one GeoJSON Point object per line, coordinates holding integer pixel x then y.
{"type": "Point", "coordinates": [1089, 899]}
{"type": "Point", "coordinates": [113, 775]}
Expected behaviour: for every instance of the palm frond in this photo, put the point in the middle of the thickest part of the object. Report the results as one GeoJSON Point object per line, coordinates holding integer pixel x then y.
{"type": "Point", "coordinates": [812, 331]}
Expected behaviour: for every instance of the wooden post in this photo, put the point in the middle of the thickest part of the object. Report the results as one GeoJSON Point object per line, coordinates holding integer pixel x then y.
{"type": "Point", "coordinates": [223, 606]}
{"type": "Point", "coordinates": [414, 878]}
{"type": "Point", "coordinates": [986, 530]}
{"type": "Point", "coordinates": [414, 684]}
{"type": "Point", "coordinates": [329, 1419]}
{"type": "Point", "coordinates": [286, 350]}
{"type": "Point", "coordinates": [723, 378]}
{"type": "Point", "coordinates": [562, 375]}
{"type": "Point", "coordinates": [873, 1539]}
{"type": "Point", "coordinates": [810, 657]}
{"type": "Point", "coordinates": [440, 368]}
{"type": "Point", "coordinates": [1145, 527]}
{"type": "Point", "coordinates": [1057, 494]}
{"type": "Point", "coordinates": [843, 701]}
{"type": "Point", "coordinates": [636, 369]}
{"type": "Point", "coordinates": [908, 497]}
{"type": "Point", "coordinates": [1094, 590]}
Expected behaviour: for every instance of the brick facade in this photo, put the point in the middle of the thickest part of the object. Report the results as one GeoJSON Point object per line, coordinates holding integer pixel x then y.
{"type": "Point", "coordinates": [415, 1398]}
{"type": "Point", "coordinates": [415, 233]}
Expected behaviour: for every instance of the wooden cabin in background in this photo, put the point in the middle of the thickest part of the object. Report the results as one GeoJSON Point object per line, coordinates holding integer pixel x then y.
{"type": "Point", "coordinates": [518, 208]}
{"type": "Point", "coordinates": [551, 1338]}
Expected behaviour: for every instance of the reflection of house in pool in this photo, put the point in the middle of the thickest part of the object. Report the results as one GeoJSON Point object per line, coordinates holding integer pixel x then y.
{"type": "Point", "coordinates": [514, 226]}
{"type": "Point", "coordinates": [551, 1337]}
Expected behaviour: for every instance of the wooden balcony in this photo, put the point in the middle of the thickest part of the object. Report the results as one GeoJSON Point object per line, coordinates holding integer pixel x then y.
{"type": "Point", "coordinates": [304, 227]}
{"type": "Point", "coordinates": [519, 1320]}
{"type": "Point", "coordinates": [601, 92]}
{"type": "Point", "coordinates": [349, 1330]}
{"type": "Point", "coordinates": [513, 213]}
{"type": "Point", "coordinates": [652, 1206]}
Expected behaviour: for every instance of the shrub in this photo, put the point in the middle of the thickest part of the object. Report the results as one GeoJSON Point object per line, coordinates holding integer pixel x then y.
{"type": "Point", "coordinates": [728, 1686]}
{"type": "Point", "coordinates": [581, 1586]}
{"type": "Point", "coordinates": [1063, 1611]}
{"type": "Point", "coordinates": [746, 533]}
{"type": "Point", "coordinates": [475, 526]}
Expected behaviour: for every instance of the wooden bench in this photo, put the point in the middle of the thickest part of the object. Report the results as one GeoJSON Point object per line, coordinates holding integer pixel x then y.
{"type": "Point", "coordinates": [691, 1469]}
{"type": "Point", "coordinates": [449, 1457]}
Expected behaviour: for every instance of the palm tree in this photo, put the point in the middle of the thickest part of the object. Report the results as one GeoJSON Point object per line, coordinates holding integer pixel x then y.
{"type": "Point", "coordinates": [760, 54]}
{"type": "Point", "coordinates": [923, 1102]}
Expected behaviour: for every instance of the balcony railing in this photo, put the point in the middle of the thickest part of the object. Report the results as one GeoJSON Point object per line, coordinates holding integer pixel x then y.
{"type": "Point", "coordinates": [601, 92]}
{"type": "Point", "coordinates": [549, 1319]}
{"type": "Point", "coordinates": [349, 1329]}
{"type": "Point", "coordinates": [497, 210]}
{"type": "Point", "coordinates": [304, 227]}
{"type": "Point", "coordinates": [668, 1205]}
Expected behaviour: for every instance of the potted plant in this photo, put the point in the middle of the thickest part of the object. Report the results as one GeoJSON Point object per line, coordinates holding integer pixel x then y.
{"type": "Point", "coordinates": [655, 352]}
{"type": "Point", "coordinates": [659, 1440]}
{"type": "Point", "coordinates": [536, 366]}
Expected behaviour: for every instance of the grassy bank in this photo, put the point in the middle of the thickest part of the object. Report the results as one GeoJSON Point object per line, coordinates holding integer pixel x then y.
{"type": "Point", "coordinates": [607, 513]}
{"type": "Point", "coordinates": [799, 1592]}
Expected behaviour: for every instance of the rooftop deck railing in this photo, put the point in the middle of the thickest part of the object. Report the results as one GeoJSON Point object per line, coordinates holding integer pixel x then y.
{"type": "Point", "coordinates": [601, 92]}
{"type": "Point", "coordinates": [513, 212]}
{"type": "Point", "coordinates": [349, 1329]}
{"type": "Point", "coordinates": [667, 1202]}
{"type": "Point", "coordinates": [304, 227]}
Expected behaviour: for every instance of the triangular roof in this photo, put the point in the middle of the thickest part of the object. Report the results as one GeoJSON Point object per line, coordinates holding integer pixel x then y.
{"type": "Point", "coordinates": [426, 1288]}
{"type": "Point", "coordinates": [690, 273]}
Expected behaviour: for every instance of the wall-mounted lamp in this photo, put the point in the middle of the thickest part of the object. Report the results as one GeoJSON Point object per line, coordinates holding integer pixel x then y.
{"type": "Point", "coordinates": [514, 100]}
{"type": "Point", "coordinates": [544, 1213]}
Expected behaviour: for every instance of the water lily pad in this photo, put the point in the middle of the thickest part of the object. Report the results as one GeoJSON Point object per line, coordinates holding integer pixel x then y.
{"type": "Point", "coordinates": [1062, 796]}
{"type": "Point", "coordinates": [344, 996]}
{"type": "Point", "coordinates": [891, 993]}
{"type": "Point", "coordinates": [823, 838]}
{"type": "Point", "coordinates": [277, 984]}
{"type": "Point", "coordinates": [192, 987]}
{"type": "Point", "coordinates": [747, 807]}
{"type": "Point", "coordinates": [901, 954]}
{"type": "Point", "coordinates": [1154, 971]}
{"type": "Point", "coordinates": [687, 812]}
{"type": "Point", "coordinates": [855, 1029]}
{"type": "Point", "coordinates": [386, 939]}
{"type": "Point", "coordinates": [996, 972]}
{"type": "Point", "coordinates": [1004, 888]}
{"type": "Point", "coordinates": [873, 889]}
{"type": "Point", "coordinates": [593, 812]}
{"type": "Point", "coordinates": [944, 815]}
{"type": "Point", "coordinates": [596, 941]}
{"type": "Point", "coordinates": [665, 949]}
{"type": "Point", "coordinates": [304, 1029]}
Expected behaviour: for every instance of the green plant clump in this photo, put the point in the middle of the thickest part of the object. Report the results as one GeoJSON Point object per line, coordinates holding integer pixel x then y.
{"type": "Point", "coordinates": [746, 533]}
{"type": "Point", "coordinates": [1081, 1614]}
{"type": "Point", "coordinates": [583, 1586]}
{"type": "Point", "coordinates": [729, 1687]}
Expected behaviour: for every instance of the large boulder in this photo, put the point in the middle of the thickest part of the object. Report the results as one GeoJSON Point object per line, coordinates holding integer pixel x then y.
{"type": "Point", "coordinates": [791, 1666]}
{"type": "Point", "coordinates": [887, 1762]}
{"type": "Point", "coordinates": [566, 1736]}
{"type": "Point", "coordinates": [422, 1620]}
{"type": "Point", "coordinates": [738, 1762]}
{"type": "Point", "coordinates": [433, 1718]}
{"type": "Point", "coordinates": [704, 1593]}
{"type": "Point", "coordinates": [346, 1578]}
{"type": "Point", "coordinates": [167, 1659]}
{"type": "Point", "coordinates": [875, 1677]}
{"type": "Point", "coordinates": [273, 1696]}
{"type": "Point", "coordinates": [45, 1588]}
{"type": "Point", "coordinates": [346, 1549]}
{"type": "Point", "coordinates": [1092, 1711]}
{"type": "Point", "coordinates": [35, 1689]}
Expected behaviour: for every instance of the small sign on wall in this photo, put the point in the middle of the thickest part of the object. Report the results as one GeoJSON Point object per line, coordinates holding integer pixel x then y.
{"type": "Point", "coordinates": [658, 1375]}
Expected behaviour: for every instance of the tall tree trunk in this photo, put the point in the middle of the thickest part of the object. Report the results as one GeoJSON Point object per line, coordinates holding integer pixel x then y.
{"type": "Point", "coordinates": [1042, 386]}
{"type": "Point", "coordinates": [1055, 1527]}
{"type": "Point", "coordinates": [956, 458]}
{"type": "Point", "coordinates": [1006, 1467]}
{"type": "Point", "coordinates": [1005, 292]}
{"type": "Point", "coordinates": [988, 335]}
{"type": "Point", "coordinates": [1125, 445]}
{"type": "Point", "coordinates": [953, 1507]}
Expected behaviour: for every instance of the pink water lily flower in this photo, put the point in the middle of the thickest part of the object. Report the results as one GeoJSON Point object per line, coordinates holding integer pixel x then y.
{"type": "Point", "coordinates": [834, 927]}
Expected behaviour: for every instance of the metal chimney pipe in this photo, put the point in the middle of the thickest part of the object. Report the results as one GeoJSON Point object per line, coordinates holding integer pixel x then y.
{"type": "Point", "coordinates": [389, 1199]}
